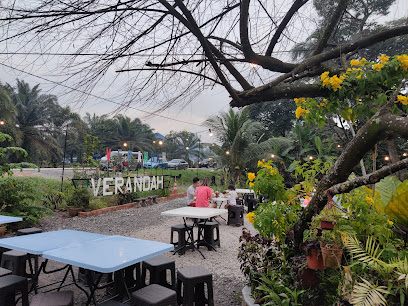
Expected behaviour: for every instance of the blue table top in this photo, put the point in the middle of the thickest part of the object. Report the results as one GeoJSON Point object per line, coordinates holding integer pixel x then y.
{"type": "Point", "coordinates": [8, 219]}
{"type": "Point", "coordinates": [37, 244]}
{"type": "Point", "coordinates": [109, 253]}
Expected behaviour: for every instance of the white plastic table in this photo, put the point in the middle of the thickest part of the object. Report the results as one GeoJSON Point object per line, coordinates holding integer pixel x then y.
{"type": "Point", "coordinates": [244, 190]}
{"type": "Point", "coordinates": [8, 219]}
{"type": "Point", "coordinates": [220, 200]}
{"type": "Point", "coordinates": [196, 213]}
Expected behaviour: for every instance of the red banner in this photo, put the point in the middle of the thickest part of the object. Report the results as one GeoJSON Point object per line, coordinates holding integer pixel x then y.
{"type": "Point", "coordinates": [108, 154]}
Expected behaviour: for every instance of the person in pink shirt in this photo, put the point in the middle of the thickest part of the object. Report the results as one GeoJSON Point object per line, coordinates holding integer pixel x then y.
{"type": "Point", "coordinates": [204, 195]}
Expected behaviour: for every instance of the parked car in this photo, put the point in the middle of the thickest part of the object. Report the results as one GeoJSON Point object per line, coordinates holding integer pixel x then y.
{"type": "Point", "coordinates": [178, 164]}
{"type": "Point", "coordinates": [206, 163]}
{"type": "Point", "coordinates": [156, 163]}
{"type": "Point", "coordinates": [135, 164]}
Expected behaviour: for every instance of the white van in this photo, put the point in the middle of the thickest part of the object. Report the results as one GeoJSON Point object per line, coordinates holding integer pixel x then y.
{"type": "Point", "coordinates": [117, 158]}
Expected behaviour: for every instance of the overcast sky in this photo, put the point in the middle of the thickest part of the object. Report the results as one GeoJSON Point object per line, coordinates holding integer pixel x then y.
{"type": "Point", "coordinates": [208, 103]}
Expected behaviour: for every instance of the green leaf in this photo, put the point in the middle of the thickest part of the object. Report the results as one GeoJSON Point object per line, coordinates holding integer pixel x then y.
{"type": "Point", "coordinates": [397, 207]}
{"type": "Point", "coordinates": [385, 189]}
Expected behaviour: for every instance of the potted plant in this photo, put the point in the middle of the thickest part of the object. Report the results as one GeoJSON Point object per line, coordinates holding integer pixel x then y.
{"type": "Point", "coordinates": [332, 248]}
{"type": "Point", "coordinates": [78, 201]}
{"type": "Point", "coordinates": [311, 247]}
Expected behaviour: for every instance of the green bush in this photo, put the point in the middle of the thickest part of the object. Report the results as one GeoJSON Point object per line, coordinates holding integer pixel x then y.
{"type": "Point", "coordinates": [79, 198]}
{"type": "Point", "coordinates": [23, 198]}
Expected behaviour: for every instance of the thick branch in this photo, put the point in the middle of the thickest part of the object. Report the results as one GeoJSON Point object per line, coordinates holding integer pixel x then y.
{"type": "Point", "coordinates": [243, 30]}
{"type": "Point", "coordinates": [334, 20]}
{"type": "Point", "coordinates": [371, 178]}
{"type": "Point", "coordinates": [227, 41]}
{"type": "Point", "coordinates": [294, 8]}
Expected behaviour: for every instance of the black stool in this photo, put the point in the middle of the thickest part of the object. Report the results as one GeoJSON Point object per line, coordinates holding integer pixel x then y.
{"type": "Point", "coordinates": [210, 241]}
{"type": "Point", "coordinates": [4, 272]}
{"type": "Point", "coordinates": [15, 261]}
{"type": "Point", "coordinates": [158, 267]}
{"type": "Point", "coordinates": [154, 295]}
{"type": "Point", "coordinates": [252, 204]}
{"type": "Point", "coordinates": [190, 286]}
{"type": "Point", "coordinates": [239, 202]}
{"type": "Point", "coordinates": [235, 215]}
{"type": "Point", "coordinates": [60, 298]}
{"type": "Point", "coordinates": [154, 199]}
{"type": "Point", "coordinates": [181, 242]}
{"type": "Point", "coordinates": [9, 285]}
{"type": "Point", "coordinates": [132, 276]}
{"type": "Point", "coordinates": [28, 231]}
{"type": "Point", "coordinates": [143, 202]}
{"type": "Point", "coordinates": [112, 303]}
{"type": "Point", "coordinates": [248, 196]}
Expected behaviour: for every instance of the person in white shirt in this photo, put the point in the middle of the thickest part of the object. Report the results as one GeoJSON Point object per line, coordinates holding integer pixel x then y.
{"type": "Point", "coordinates": [192, 192]}
{"type": "Point", "coordinates": [232, 194]}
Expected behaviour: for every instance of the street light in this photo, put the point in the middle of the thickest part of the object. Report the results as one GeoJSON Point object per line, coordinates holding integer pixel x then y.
{"type": "Point", "coordinates": [272, 155]}
{"type": "Point", "coordinates": [387, 158]}
{"type": "Point", "coordinates": [2, 122]}
{"type": "Point", "coordinates": [405, 154]}
{"type": "Point", "coordinates": [125, 144]}
{"type": "Point", "coordinates": [228, 152]}
{"type": "Point", "coordinates": [160, 142]}
{"type": "Point", "coordinates": [310, 157]}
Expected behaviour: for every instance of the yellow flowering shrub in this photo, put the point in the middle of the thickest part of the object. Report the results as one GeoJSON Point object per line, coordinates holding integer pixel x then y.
{"type": "Point", "coordinates": [251, 217]}
{"type": "Point", "coordinates": [402, 99]}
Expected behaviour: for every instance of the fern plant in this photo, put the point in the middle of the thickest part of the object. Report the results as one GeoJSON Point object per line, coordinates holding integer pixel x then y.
{"type": "Point", "coordinates": [393, 273]}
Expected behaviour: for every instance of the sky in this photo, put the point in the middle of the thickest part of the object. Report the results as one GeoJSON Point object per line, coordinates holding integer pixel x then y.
{"type": "Point", "coordinates": [208, 103]}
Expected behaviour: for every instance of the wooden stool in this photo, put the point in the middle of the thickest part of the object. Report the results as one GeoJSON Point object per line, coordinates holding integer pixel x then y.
{"type": "Point", "coordinates": [9, 285]}
{"type": "Point", "coordinates": [210, 240]}
{"type": "Point", "coordinates": [60, 298]}
{"type": "Point", "coordinates": [181, 242]}
{"type": "Point", "coordinates": [235, 215]}
{"type": "Point", "coordinates": [158, 267]}
{"type": "Point", "coordinates": [154, 295]}
{"type": "Point", "coordinates": [190, 286]}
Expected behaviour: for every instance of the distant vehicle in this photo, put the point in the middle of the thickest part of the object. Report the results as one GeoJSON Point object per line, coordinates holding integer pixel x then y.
{"type": "Point", "coordinates": [206, 163]}
{"type": "Point", "coordinates": [135, 164]}
{"type": "Point", "coordinates": [178, 164]}
{"type": "Point", "coordinates": [65, 161]}
{"type": "Point", "coordinates": [156, 163]}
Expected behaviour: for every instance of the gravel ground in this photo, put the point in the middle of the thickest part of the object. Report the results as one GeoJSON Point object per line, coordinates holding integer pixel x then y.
{"type": "Point", "coordinates": [147, 223]}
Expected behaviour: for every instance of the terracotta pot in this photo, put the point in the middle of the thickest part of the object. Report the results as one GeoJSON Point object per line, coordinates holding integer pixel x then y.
{"type": "Point", "coordinates": [331, 257]}
{"type": "Point", "coordinates": [74, 211]}
{"type": "Point", "coordinates": [2, 231]}
{"type": "Point", "coordinates": [309, 277]}
{"type": "Point", "coordinates": [315, 260]}
{"type": "Point", "coordinates": [324, 224]}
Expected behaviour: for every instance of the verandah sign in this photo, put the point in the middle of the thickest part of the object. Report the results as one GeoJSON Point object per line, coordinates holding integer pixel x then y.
{"type": "Point", "coordinates": [143, 183]}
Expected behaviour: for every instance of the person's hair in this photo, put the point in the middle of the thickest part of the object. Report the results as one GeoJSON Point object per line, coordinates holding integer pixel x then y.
{"type": "Point", "coordinates": [231, 187]}
{"type": "Point", "coordinates": [195, 180]}
{"type": "Point", "coordinates": [205, 181]}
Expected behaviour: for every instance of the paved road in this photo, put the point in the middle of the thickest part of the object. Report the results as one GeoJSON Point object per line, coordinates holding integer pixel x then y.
{"type": "Point", "coordinates": [54, 173]}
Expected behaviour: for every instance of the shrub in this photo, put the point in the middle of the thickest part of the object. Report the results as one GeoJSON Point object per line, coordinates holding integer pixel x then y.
{"type": "Point", "coordinates": [79, 198]}
{"type": "Point", "coordinates": [21, 197]}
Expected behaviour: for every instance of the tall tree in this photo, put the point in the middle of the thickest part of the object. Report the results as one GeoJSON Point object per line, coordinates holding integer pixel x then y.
{"type": "Point", "coordinates": [242, 140]}
{"type": "Point", "coordinates": [182, 145]}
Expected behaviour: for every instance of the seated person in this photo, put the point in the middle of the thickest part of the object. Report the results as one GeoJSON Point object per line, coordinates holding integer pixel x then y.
{"type": "Point", "coordinates": [192, 192]}
{"type": "Point", "coordinates": [232, 194]}
{"type": "Point", "coordinates": [204, 195]}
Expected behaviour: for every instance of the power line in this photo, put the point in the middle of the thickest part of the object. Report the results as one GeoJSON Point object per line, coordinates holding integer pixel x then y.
{"type": "Point", "coordinates": [95, 96]}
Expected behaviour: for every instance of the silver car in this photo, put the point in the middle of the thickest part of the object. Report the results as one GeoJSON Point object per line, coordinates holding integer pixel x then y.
{"type": "Point", "coordinates": [178, 164]}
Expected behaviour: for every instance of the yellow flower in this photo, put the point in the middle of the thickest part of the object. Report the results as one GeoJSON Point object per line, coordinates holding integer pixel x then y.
{"type": "Point", "coordinates": [335, 82]}
{"type": "Point", "coordinates": [321, 105]}
{"type": "Point", "coordinates": [277, 239]}
{"type": "Point", "coordinates": [301, 112]}
{"type": "Point", "coordinates": [390, 222]}
{"type": "Point", "coordinates": [359, 76]}
{"type": "Point", "coordinates": [251, 217]}
{"type": "Point", "coordinates": [251, 184]}
{"type": "Point", "coordinates": [403, 61]}
{"type": "Point", "coordinates": [369, 200]}
{"type": "Point", "coordinates": [251, 176]}
{"type": "Point", "coordinates": [383, 58]}
{"type": "Point", "coordinates": [324, 75]}
{"type": "Point", "coordinates": [274, 171]}
{"type": "Point", "coordinates": [300, 101]}
{"type": "Point", "coordinates": [355, 63]}
{"type": "Point", "coordinates": [402, 99]}
{"type": "Point", "coordinates": [378, 67]}
{"type": "Point", "coordinates": [259, 163]}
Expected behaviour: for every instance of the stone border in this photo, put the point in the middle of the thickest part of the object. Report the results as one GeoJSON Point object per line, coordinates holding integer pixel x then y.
{"type": "Point", "coordinates": [247, 300]}
{"type": "Point", "coordinates": [84, 214]}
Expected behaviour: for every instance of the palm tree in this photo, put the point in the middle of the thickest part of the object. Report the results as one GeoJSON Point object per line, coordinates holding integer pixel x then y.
{"type": "Point", "coordinates": [33, 120]}
{"type": "Point", "coordinates": [182, 145]}
{"type": "Point", "coordinates": [241, 139]}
